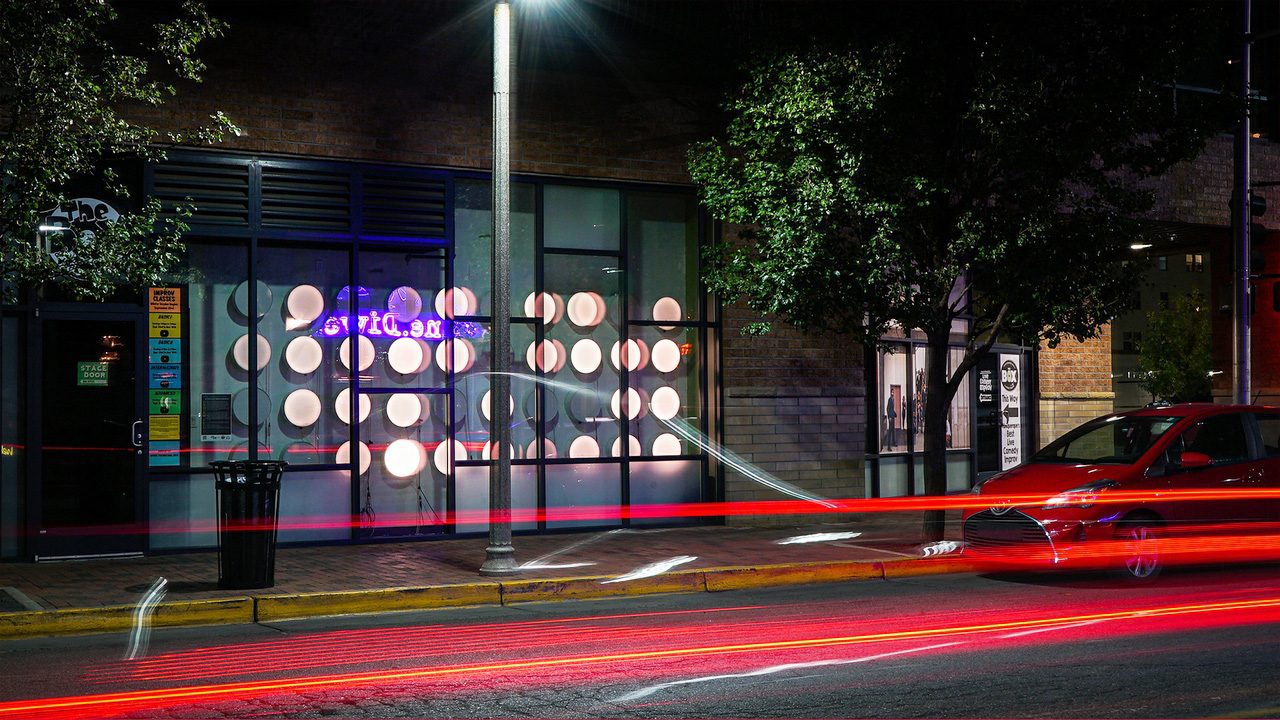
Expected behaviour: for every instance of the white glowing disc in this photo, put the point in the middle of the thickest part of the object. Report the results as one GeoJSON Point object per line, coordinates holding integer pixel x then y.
{"type": "Point", "coordinates": [636, 355]}
{"type": "Point", "coordinates": [585, 309]}
{"type": "Point", "coordinates": [240, 352]}
{"type": "Point", "coordinates": [441, 456]}
{"type": "Point", "coordinates": [666, 444]}
{"type": "Point", "coordinates": [489, 454]}
{"type": "Point", "coordinates": [304, 303]}
{"type": "Point", "coordinates": [633, 403]}
{"type": "Point", "coordinates": [406, 410]}
{"type": "Point", "coordinates": [342, 406]}
{"type": "Point", "coordinates": [584, 446]}
{"type": "Point", "coordinates": [666, 355]}
{"type": "Point", "coordinates": [549, 312]}
{"type": "Point", "coordinates": [364, 348]}
{"type": "Point", "coordinates": [303, 355]}
{"type": "Point", "coordinates": [542, 356]}
{"type": "Point", "coordinates": [632, 443]}
{"type": "Point", "coordinates": [667, 309]}
{"type": "Point", "coordinates": [462, 300]}
{"type": "Point", "coordinates": [343, 456]}
{"type": "Point", "coordinates": [548, 449]}
{"type": "Point", "coordinates": [585, 356]}
{"type": "Point", "coordinates": [405, 303]}
{"type": "Point", "coordinates": [408, 355]}
{"type": "Point", "coordinates": [665, 403]}
{"type": "Point", "coordinates": [302, 408]}
{"type": "Point", "coordinates": [463, 356]}
{"type": "Point", "coordinates": [484, 405]}
{"type": "Point", "coordinates": [405, 458]}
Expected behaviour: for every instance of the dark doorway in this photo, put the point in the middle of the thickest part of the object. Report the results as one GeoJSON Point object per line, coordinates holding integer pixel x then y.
{"type": "Point", "coordinates": [92, 433]}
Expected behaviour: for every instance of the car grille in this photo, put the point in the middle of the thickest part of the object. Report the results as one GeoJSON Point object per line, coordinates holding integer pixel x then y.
{"type": "Point", "coordinates": [1007, 533]}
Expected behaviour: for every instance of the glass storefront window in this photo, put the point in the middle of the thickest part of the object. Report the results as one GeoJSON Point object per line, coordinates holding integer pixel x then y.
{"type": "Point", "coordinates": [12, 434]}
{"type": "Point", "coordinates": [959, 417]}
{"type": "Point", "coordinates": [894, 400]}
{"type": "Point", "coordinates": [662, 256]}
{"type": "Point", "coordinates": [473, 245]}
{"type": "Point", "coordinates": [582, 218]}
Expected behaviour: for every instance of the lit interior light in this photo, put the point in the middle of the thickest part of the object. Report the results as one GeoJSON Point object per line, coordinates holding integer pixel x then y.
{"type": "Point", "coordinates": [302, 408]}
{"type": "Point", "coordinates": [633, 446]}
{"type": "Point", "coordinates": [666, 444]}
{"type": "Point", "coordinates": [666, 356]}
{"type": "Point", "coordinates": [667, 308]}
{"type": "Point", "coordinates": [405, 458]}
{"type": "Point", "coordinates": [586, 356]}
{"type": "Point", "coordinates": [406, 410]}
{"type": "Point", "coordinates": [463, 356]}
{"type": "Point", "coordinates": [488, 452]}
{"type": "Point", "coordinates": [304, 304]}
{"type": "Point", "coordinates": [484, 406]}
{"type": "Point", "coordinates": [240, 352]}
{"type": "Point", "coordinates": [636, 355]}
{"type": "Point", "coordinates": [342, 406]}
{"type": "Point", "coordinates": [440, 457]}
{"type": "Point", "coordinates": [303, 355]}
{"type": "Point", "coordinates": [584, 446]}
{"type": "Point", "coordinates": [665, 403]}
{"type": "Point", "coordinates": [633, 404]}
{"type": "Point", "coordinates": [408, 356]}
{"type": "Point", "coordinates": [586, 309]}
{"type": "Point", "coordinates": [343, 456]}
{"type": "Point", "coordinates": [364, 348]}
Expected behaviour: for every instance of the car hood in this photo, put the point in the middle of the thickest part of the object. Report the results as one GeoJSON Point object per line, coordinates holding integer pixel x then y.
{"type": "Point", "coordinates": [1049, 478]}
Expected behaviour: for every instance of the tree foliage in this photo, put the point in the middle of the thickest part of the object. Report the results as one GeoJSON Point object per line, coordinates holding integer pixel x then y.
{"type": "Point", "coordinates": [72, 76]}
{"type": "Point", "coordinates": [982, 162]}
{"type": "Point", "coordinates": [1176, 355]}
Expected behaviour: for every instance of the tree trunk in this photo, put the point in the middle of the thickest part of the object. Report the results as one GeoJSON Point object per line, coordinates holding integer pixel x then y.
{"type": "Point", "coordinates": [937, 400]}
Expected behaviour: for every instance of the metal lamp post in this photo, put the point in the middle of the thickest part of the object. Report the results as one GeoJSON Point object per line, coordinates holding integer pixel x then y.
{"type": "Point", "coordinates": [500, 555]}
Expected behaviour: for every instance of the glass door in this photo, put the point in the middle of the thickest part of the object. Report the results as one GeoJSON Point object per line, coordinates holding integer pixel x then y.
{"type": "Point", "coordinates": [93, 433]}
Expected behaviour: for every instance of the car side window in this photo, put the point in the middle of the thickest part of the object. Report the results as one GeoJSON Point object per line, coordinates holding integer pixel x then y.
{"type": "Point", "coordinates": [1221, 437]}
{"type": "Point", "coordinates": [1269, 430]}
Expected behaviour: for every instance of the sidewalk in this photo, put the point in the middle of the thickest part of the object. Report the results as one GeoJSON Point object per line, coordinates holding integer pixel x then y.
{"type": "Point", "coordinates": [99, 595]}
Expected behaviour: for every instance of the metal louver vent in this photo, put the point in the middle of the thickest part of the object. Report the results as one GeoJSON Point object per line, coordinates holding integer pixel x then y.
{"type": "Point", "coordinates": [403, 205]}
{"type": "Point", "coordinates": [219, 191]}
{"type": "Point", "coordinates": [294, 198]}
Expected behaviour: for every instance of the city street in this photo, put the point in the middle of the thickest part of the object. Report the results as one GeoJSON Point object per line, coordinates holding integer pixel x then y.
{"type": "Point", "coordinates": [1190, 643]}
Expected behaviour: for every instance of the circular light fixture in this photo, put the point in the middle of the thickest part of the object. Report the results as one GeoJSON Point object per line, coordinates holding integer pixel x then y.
{"type": "Point", "coordinates": [586, 309]}
{"type": "Point", "coordinates": [240, 298]}
{"type": "Point", "coordinates": [561, 356]}
{"type": "Point", "coordinates": [548, 449]}
{"type": "Point", "coordinates": [405, 458]}
{"type": "Point", "coordinates": [636, 354]}
{"type": "Point", "coordinates": [667, 308]}
{"type": "Point", "coordinates": [551, 310]}
{"type": "Point", "coordinates": [302, 408]}
{"type": "Point", "coordinates": [633, 446]}
{"type": "Point", "coordinates": [304, 303]}
{"type": "Point", "coordinates": [488, 453]}
{"type": "Point", "coordinates": [633, 404]}
{"type": "Point", "coordinates": [405, 303]}
{"type": "Point", "coordinates": [303, 355]}
{"type": "Point", "coordinates": [666, 355]}
{"type": "Point", "coordinates": [364, 348]}
{"type": "Point", "coordinates": [584, 446]}
{"type": "Point", "coordinates": [463, 356]}
{"type": "Point", "coordinates": [665, 403]}
{"type": "Point", "coordinates": [440, 458]}
{"type": "Point", "coordinates": [484, 406]}
{"type": "Point", "coordinates": [342, 406]}
{"type": "Point", "coordinates": [408, 356]}
{"type": "Point", "coordinates": [453, 302]}
{"type": "Point", "coordinates": [406, 410]}
{"type": "Point", "coordinates": [240, 352]}
{"type": "Point", "coordinates": [542, 356]}
{"type": "Point", "coordinates": [585, 356]}
{"type": "Point", "coordinates": [343, 456]}
{"type": "Point", "coordinates": [666, 444]}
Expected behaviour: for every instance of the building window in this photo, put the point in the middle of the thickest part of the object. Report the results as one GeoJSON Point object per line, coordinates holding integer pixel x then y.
{"type": "Point", "coordinates": [1195, 262]}
{"type": "Point", "coordinates": [1162, 263]}
{"type": "Point", "coordinates": [894, 399]}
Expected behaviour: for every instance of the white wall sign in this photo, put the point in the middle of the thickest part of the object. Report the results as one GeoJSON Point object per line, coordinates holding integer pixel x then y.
{"type": "Point", "coordinates": [1010, 408]}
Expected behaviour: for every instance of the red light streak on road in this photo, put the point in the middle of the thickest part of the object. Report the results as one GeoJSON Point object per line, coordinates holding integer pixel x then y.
{"type": "Point", "coordinates": [1253, 610]}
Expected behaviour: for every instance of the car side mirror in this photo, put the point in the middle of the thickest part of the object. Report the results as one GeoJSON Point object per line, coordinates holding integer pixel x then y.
{"type": "Point", "coordinates": [1194, 460]}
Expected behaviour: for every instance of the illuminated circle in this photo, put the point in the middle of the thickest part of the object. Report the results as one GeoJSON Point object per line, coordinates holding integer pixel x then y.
{"type": "Point", "coordinates": [440, 458]}
{"type": "Point", "coordinates": [406, 410]}
{"type": "Point", "coordinates": [343, 456]}
{"type": "Point", "coordinates": [636, 354]}
{"type": "Point", "coordinates": [632, 443]}
{"type": "Point", "coordinates": [240, 298]}
{"type": "Point", "coordinates": [584, 446]}
{"type": "Point", "coordinates": [463, 356]}
{"type": "Point", "coordinates": [484, 405]}
{"type": "Point", "coordinates": [302, 408]}
{"type": "Point", "coordinates": [408, 355]}
{"type": "Point", "coordinates": [551, 311]}
{"type": "Point", "coordinates": [561, 355]}
{"type": "Point", "coordinates": [666, 355]}
{"type": "Point", "coordinates": [240, 352]}
{"type": "Point", "coordinates": [542, 357]}
{"type": "Point", "coordinates": [303, 355]}
{"type": "Point", "coordinates": [364, 348]}
{"type": "Point", "coordinates": [665, 403]}
{"type": "Point", "coordinates": [585, 356]}
{"type": "Point", "coordinates": [304, 303]}
{"type": "Point", "coordinates": [405, 303]}
{"type": "Point", "coordinates": [548, 449]}
{"type": "Point", "coordinates": [404, 458]}
{"type": "Point", "coordinates": [585, 309]}
{"type": "Point", "coordinates": [488, 453]}
{"type": "Point", "coordinates": [666, 444]}
{"type": "Point", "coordinates": [456, 301]}
{"type": "Point", "coordinates": [342, 406]}
{"type": "Point", "coordinates": [667, 309]}
{"type": "Point", "coordinates": [633, 403]}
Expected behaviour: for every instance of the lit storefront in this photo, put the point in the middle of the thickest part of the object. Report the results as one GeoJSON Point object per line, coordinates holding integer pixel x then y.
{"type": "Point", "coordinates": [335, 315]}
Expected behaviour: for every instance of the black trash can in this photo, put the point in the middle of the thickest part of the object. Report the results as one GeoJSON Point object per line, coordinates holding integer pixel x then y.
{"type": "Point", "coordinates": [248, 514]}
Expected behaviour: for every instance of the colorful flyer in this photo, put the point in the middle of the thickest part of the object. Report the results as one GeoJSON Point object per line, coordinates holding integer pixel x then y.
{"type": "Point", "coordinates": [165, 377]}
{"type": "Point", "coordinates": [164, 300]}
{"type": "Point", "coordinates": [165, 402]}
{"type": "Point", "coordinates": [165, 325]}
{"type": "Point", "coordinates": [163, 453]}
{"type": "Point", "coordinates": [165, 427]}
{"type": "Point", "coordinates": [165, 350]}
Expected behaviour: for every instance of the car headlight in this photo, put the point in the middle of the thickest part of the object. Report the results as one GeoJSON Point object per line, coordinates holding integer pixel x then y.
{"type": "Point", "coordinates": [1081, 497]}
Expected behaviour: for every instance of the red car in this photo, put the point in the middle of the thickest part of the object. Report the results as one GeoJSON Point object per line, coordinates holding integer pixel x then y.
{"type": "Point", "coordinates": [1137, 490]}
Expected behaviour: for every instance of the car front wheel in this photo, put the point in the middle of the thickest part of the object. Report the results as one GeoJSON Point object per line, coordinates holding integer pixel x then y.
{"type": "Point", "coordinates": [1139, 545]}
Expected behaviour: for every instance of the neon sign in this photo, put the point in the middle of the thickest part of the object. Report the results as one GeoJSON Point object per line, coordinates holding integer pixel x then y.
{"type": "Point", "coordinates": [384, 324]}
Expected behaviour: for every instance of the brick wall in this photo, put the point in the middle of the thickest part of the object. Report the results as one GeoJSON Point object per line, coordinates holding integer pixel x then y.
{"type": "Point", "coordinates": [1075, 384]}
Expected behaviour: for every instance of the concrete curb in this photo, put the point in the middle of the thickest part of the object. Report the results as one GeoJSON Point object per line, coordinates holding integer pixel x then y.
{"type": "Point", "coordinates": [270, 608]}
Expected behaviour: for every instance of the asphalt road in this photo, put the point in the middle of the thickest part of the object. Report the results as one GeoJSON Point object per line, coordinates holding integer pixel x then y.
{"type": "Point", "coordinates": [1190, 644]}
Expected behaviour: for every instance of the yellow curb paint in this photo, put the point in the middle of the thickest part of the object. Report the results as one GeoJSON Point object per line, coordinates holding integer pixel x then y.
{"type": "Point", "coordinates": [582, 588]}
{"type": "Point", "coordinates": [115, 618]}
{"type": "Point", "coordinates": [739, 578]}
{"type": "Point", "coordinates": [304, 605]}
{"type": "Point", "coordinates": [940, 566]}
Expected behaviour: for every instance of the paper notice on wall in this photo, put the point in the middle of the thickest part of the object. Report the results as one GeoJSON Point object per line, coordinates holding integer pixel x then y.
{"type": "Point", "coordinates": [1010, 387]}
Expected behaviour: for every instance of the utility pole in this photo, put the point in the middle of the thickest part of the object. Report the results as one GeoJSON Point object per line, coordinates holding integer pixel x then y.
{"type": "Point", "coordinates": [1241, 219]}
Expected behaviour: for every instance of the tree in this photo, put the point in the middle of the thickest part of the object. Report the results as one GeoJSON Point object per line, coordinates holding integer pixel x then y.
{"type": "Point", "coordinates": [1175, 355]}
{"type": "Point", "coordinates": [71, 72]}
{"type": "Point", "coordinates": [982, 163]}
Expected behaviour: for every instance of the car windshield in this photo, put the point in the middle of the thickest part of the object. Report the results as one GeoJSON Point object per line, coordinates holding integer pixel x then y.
{"type": "Point", "coordinates": [1117, 440]}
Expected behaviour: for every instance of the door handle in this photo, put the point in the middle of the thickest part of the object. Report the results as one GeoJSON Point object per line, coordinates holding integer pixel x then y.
{"type": "Point", "coordinates": [137, 433]}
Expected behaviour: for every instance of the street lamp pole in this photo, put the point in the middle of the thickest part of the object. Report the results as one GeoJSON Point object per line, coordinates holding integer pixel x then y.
{"type": "Point", "coordinates": [1242, 390]}
{"type": "Point", "coordinates": [500, 555]}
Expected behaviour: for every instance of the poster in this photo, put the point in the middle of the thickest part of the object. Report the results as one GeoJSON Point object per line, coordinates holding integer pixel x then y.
{"type": "Point", "coordinates": [164, 351]}
{"type": "Point", "coordinates": [1010, 387]}
{"type": "Point", "coordinates": [215, 417]}
{"type": "Point", "coordinates": [165, 427]}
{"type": "Point", "coordinates": [164, 300]}
{"type": "Point", "coordinates": [164, 325]}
